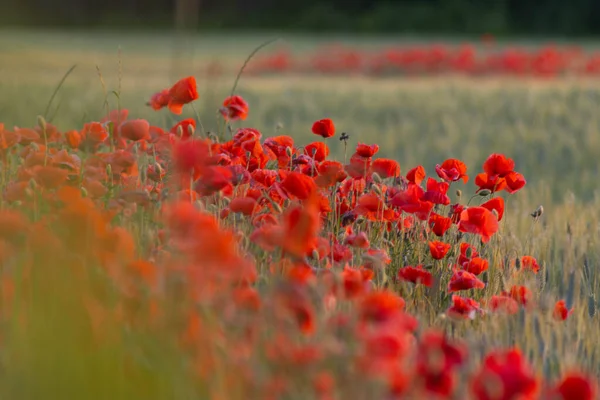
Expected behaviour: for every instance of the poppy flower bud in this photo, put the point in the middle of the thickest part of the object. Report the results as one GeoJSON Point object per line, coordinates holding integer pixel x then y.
{"type": "Point", "coordinates": [179, 131]}
{"type": "Point", "coordinates": [108, 170]}
{"type": "Point", "coordinates": [360, 219]}
{"type": "Point", "coordinates": [518, 264]}
{"type": "Point", "coordinates": [469, 252]}
{"type": "Point", "coordinates": [191, 130]}
{"type": "Point", "coordinates": [495, 212]}
{"type": "Point", "coordinates": [84, 192]}
{"type": "Point", "coordinates": [377, 190]}
{"type": "Point", "coordinates": [376, 178]}
{"type": "Point", "coordinates": [315, 254]}
{"type": "Point", "coordinates": [484, 192]}
{"type": "Point", "coordinates": [458, 193]}
{"type": "Point", "coordinates": [279, 126]}
{"type": "Point", "coordinates": [288, 151]}
{"type": "Point", "coordinates": [41, 122]}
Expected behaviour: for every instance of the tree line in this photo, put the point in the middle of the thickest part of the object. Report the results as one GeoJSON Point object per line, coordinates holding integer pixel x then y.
{"type": "Point", "coordinates": [503, 17]}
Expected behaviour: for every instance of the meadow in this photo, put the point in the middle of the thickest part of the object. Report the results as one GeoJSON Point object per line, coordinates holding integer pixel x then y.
{"type": "Point", "coordinates": [119, 309]}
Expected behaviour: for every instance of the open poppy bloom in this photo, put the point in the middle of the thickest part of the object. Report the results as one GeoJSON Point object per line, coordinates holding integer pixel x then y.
{"type": "Point", "coordinates": [183, 92]}
{"type": "Point", "coordinates": [416, 275]}
{"type": "Point", "coordinates": [135, 130]}
{"type": "Point", "coordinates": [452, 170]}
{"type": "Point", "coordinates": [324, 128]}
{"type": "Point", "coordinates": [234, 108]}
{"type": "Point", "coordinates": [463, 280]}
{"type": "Point", "coordinates": [480, 221]}
{"type": "Point", "coordinates": [561, 312]}
{"type": "Point", "coordinates": [439, 249]}
{"type": "Point", "coordinates": [463, 308]}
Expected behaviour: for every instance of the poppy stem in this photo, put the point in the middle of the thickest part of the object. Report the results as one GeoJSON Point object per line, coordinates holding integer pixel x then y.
{"type": "Point", "coordinates": [198, 118]}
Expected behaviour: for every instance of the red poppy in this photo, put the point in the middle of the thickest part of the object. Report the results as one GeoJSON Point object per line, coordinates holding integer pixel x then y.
{"type": "Point", "coordinates": [366, 151]}
{"type": "Point", "coordinates": [234, 108]}
{"type": "Point", "coordinates": [410, 202]}
{"type": "Point", "coordinates": [439, 249]}
{"type": "Point", "coordinates": [520, 294]}
{"type": "Point", "coordinates": [439, 224]}
{"type": "Point", "coordinates": [514, 182]}
{"type": "Point", "coordinates": [299, 185]}
{"type": "Point", "coordinates": [184, 128]}
{"type": "Point", "coordinates": [528, 262]}
{"type": "Point", "coordinates": [356, 281]}
{"type": "Point", "coordinates": [514, 377]}
{"type": "Point", "coordinates": [573, 386]}
{"type": "Point", "coordinates": [476, 265]}
{"type": "Point", "coordinates": [491, 183]}
{"type": "Point", "coordinates": [463, 308]}
{"type": "Point", "coordinates": [455, 211]}
{"type": "Point", "coordinates": [317, 151]}
{"type": "Point", "coordinates": [330, 173]}
{"type": "Point", "coordinates": [324, 128]}
{"type": "Point", "coordinates": [137, 129]}
{"type": "Point", "coordinates": [452, 170]}
{"type": "Point", "coordinates": [159, 100]}
{"type": "Point", "coordinates": [437, 358]}
{"type": "Point", "coordinates": [479, 221]}
{"type": "Point", "coordinates": [381, 306]}
{"type": "Point", "coordinates": [243, 205]}
{"type": "Point", "coordinates": [190, 156]}
{"type": "Point", "coordinates": [386, 168]}
{"type": "Point", "coordinates": [73, 139]}
{"type": "Point", "coordinates": [504, 304]}
{"type": "Point", "coordinates": [359, 240]}
{"type": "Point", "coordinates": [436, 192]}
{"type": "Point", "coordinates": [561, 312]}
{"type": "Point", "coordinates": [497, 203]}
{"type": "Point", "coordinates": [416, 175]}
{"type": "Point", "coordinates": [463, 280]}
{"type": "Point", "coordinates": [466, 253]}
{"type": "Point", "coordinates": [416, 275]}
{"type": "Point", "coordinates": [183, 92]}
{"type": "Point", "coordinates": [498, 165]}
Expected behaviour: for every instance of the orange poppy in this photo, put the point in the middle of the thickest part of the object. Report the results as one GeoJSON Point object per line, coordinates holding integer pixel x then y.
{"type": "Point", "coordinates": [159, 100]}
{"type": "Point", "coordinates": [135, 130]}
{"type": "Point", "coordinates": [181, 93]}
{"type": "Point", "coordinates": [438, 249]}
{"type": "Point", "coordinates": [476, 265]}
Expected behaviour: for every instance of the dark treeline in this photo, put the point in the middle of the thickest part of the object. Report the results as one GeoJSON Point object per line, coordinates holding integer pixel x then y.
{"type": "Point", "coordinates": [520, 17]}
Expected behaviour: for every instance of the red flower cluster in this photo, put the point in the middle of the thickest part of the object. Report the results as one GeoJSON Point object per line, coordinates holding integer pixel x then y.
{"type": "Point", "coordinates": [264, 263]}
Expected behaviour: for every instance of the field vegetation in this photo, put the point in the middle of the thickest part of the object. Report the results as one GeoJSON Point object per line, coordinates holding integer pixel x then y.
{"type": "Point", "coordinates": [300, 237]}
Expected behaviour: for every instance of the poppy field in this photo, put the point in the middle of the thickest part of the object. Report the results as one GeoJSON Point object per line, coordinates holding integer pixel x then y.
{"type": "Point", "coordinates": [293, 238]}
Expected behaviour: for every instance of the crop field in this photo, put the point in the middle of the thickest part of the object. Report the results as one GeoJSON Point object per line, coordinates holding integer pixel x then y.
{"type": "Point", "coordinates": [326, 236]}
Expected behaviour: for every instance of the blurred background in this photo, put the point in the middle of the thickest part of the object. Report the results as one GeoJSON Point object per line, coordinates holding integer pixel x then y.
{"type": "Point", "coordinates": [425, 79]}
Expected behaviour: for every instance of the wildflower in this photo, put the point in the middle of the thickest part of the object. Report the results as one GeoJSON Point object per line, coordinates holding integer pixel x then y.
{"type": "Point", "coordinates": [386, 168]}
{"type": "Point", "coordinates": [234, 108]}
{"type": "Point", "coordinates": [159, 100]}
{"type": "Point", "coordinates": [183, 92]}
{"type": "Point", "coordinates": [318, 151]}
{"type": "Point", "coordinates": [463, 308]}
{"type": "Point", "coordinates": [480, 221]}
{"type": "Point", "coordinates": [497, 204]}
{"type": "Point", "coordinates": [366, 151]}
{"type": "Point", "coordinates": [463, 280]}
{"type": "Point", "coordinates": [498, 165]}
{"type": "Point", "coordinates": [561, 312]}
{"type": "Point", "coordinates": [504, 375]}
{"type": "Point", "coordinates": [299, 185]}
{"type": "Point", "coordinates": [439, 249]}
{"type": "Point", "coordinates": [380, 306]}
{"type": "Point", "coordinates": [439, 224]}
{"type": "Point", "coordinates": [243, 205]}
{"type": "Point", "coordinates": [416, 175]}
{"type": "Point", "coordinates": [574, 385]}
{"type": "Point", "coordinates": [135, 130]}
{"type": "Point", "coordinates": [504, 304]}
{"type": "Point", "coordinates": [324, 128]}
{"type": "Point", "coordinates": [528, 262]}
{"type": "Point", "coordinates": [416, 275]}
{"type": "Point", "coordinates": [183, 128]}
{"type": "Point", "coordinates": [452, 170]}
